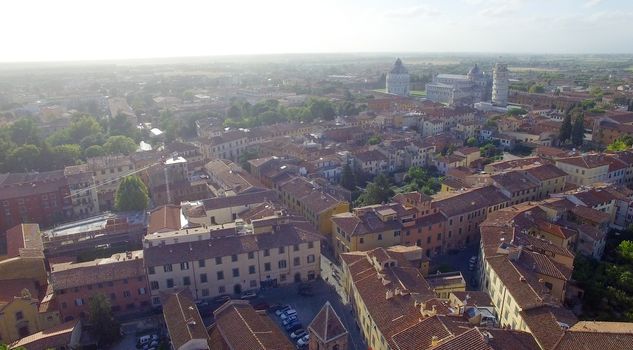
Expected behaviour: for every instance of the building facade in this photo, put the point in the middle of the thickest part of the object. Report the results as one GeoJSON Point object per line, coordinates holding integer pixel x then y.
{"type": "Point", "coordinates": [398, 80]}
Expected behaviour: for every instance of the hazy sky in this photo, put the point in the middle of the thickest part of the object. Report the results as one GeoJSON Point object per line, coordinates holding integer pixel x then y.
{"type": "Point", "coordinates": [42, 30]}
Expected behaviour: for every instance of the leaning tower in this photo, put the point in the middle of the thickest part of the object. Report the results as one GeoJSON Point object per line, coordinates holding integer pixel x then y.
{"type": "Point", "coordinates": [500, 85]}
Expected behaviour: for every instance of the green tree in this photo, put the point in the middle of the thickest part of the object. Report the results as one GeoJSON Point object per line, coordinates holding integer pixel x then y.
{"type": "Point", "coordinates": [24, 131]}
{"type": "Point", "coordinates": [578, 131]}
{"type": "Point", "coordinates": [537, 89]}
{"type": "Point", "coordinates": [24, 158]}
{"type": "Point", "coordinates": [64, 155]}
{"type": "Point", "coordinates": [347, 178]}
{"type": "Point", "coordinates": [131, 195]}
{"type": "Point", "coordinates": [83, 126]}
{"type": "Point", "coordinates": [625, 251]}
{"type": "Point", "coordinates": [94, 151]}
{"type": "Point", "coordinates": [377, 191]}
{"type": "Point", "coordinates": [119, 145]}
{"type": "Point", "coordinates": [471, 141]}
{"type": "Point", "coordinates": [374, 140]}
{"type": "Point", "coordinates": [565, 129]}
{"type": "Point", "coordinates": [121, 125]}
{"type": "Point", "coordinates": [321, 109]}
{"type": "Point", "coordinates": [245, 156]}
{"type": "Point", "coordinates": [104, 327]}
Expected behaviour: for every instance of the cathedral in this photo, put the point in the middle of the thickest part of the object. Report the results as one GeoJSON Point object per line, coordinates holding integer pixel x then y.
{"type": "Point", "coordinates": [398, 80]}
{"type": "Point", "coordinates": [457, 89]}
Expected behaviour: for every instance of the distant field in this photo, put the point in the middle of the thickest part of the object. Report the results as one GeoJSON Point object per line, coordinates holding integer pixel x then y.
{"type": "Point", "coordinates": [534, 69]}
{"type": "Point", "coordinates": [418, 93]}
{"type": "Point", "coordinates": [630, 69]}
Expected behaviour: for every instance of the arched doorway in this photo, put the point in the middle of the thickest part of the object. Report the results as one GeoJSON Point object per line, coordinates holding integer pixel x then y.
{"type": "Point", "coordinates": [237, 289]}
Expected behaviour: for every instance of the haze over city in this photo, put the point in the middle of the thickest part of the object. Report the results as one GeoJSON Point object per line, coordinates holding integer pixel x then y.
{"type": "Point", "coordinates": [100, 30]}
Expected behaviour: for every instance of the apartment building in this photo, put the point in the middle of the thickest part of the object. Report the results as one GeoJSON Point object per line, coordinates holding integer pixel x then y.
{"type": "Point", "coordinates": [585, 169]}
{"type": "Point", "coordinates": [222, 210]}
{"type": "Point", "coordinates": [108, 171]}
{"type": "Point", "coordinates": [22, 254]}
{"type": "Point", "coordinates": [310, 200]}
{"type": "Point", "coordinates": [120, 278]}
{"type": "Point", "coordinates": [228, 145]}
{"type": "Point", "coordinates": [231, 258]}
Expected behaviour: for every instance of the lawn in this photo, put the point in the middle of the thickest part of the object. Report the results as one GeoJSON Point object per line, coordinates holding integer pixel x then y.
{"type": "Point", "coordinates": [418, 93]}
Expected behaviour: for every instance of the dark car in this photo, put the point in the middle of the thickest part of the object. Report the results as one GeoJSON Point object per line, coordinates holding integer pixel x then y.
{"type": "Point", "coordinates": [293, 327]}
{"type": "Point", "coordinates": [222, 298]}
{"type": "Point", "coordinates": [305, 289]}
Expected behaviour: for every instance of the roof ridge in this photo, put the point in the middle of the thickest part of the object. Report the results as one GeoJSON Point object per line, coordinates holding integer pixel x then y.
{"type": "Point", "coordinates": [248, 326]}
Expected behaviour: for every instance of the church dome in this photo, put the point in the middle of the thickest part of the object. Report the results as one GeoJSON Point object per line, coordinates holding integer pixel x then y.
{"type": "Point", "coordinates": [398, 68]}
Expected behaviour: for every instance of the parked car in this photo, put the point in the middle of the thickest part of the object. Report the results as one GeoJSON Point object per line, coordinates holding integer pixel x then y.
{"type": "Point", "coordinates": [288, 313]}
{"type": "Point", "coordinates": [305, 289]}
{"type": "Point", "coordinates": [292, 326]}
{"type": "Point", "coordinates": [299, 333]}
{"type": "Point", "coordinates": [473, 260]}
{"type": "Point", "coordinates": [222, 298]}
{"type": "Point", "coordinates": [249, 294]}
{"type": "Point", "coordinates": [303, 341]}
{"type": "Point", "coordinates": [289, 320]}
{"type": "Point", "coordinates": [144, 341]}
{"type": "Point", "coordinates": [283, 309]}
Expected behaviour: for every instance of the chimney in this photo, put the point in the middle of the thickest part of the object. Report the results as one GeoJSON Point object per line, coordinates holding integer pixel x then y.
{"type": "Point", "coordinates": [388, 294]}
{"type": "Point", "coordinates": [434, 341]}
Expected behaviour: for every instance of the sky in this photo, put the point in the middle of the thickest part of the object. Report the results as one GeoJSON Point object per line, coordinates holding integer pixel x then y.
{"type": "Point", "coordinates": [63, 30]}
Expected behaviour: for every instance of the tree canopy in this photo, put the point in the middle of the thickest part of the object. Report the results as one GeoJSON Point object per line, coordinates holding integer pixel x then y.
{"type": "Point", "coordinates": [578, 131]}
{"type": "Point", "coordinates": [131, 195]}
{"type": "Point", "coordinates": [376, 192]}
{"type": "Point", "coordinates": [104, 327]}
{"type": "Point", "coordinates": [565, 129]}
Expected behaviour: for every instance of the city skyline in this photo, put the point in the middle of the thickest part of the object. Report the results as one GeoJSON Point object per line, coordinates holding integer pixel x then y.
{"type": "Point", "coordinates": [71, 30]}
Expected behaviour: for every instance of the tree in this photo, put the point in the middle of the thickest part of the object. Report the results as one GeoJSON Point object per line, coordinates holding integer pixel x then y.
{"type": "Point", "coordinates": [24, 158]}
{"type": "Point", "coordinates": [625, 251]}
{"type": "Point", "coordinates": [321, 109]}
{"type": "Point", "coordinates": [24, 131]}
{"type": "Point", "coordinates": [104, 326]}
{"type": "Point", "coordinates": [65, 155]}
{"type": "Point", "coordinates": [94, 151]}
{"type": "Point", "coordinates": [618, 145]}
{"type": "Point", "coordinates": [245, 156]}
{"type": "Point", "coordinates": [578, 131]}
{"type": "Point", "coordinates": [565, 129]}
{"type": "Point", "coordinates": [131, 195]}
{"type": "Point", "coordinates": [119, 145]}
{"type": "Point", "coordinates": [471, 141]}
{"type": "Point", "coordinates": [120, 125]}
{"type": "Point", "coordinates": [378, 191]}
{"type": "Point", "coordinates": [374, 140]}
{"type": "Point", "coordinates": [537, 89]}
{"type": "Point", "coordinates": [347, 178]}
{"type": "Point", "coordinates": [82, 127]}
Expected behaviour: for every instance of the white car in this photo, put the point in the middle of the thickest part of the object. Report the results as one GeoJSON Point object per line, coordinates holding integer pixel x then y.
{"type": "Point", "coordinates": [288, 313]}
{"type": "Point", "coordinates": [304, 341]}
{"type": "Point", "coordinates": [282, 310]}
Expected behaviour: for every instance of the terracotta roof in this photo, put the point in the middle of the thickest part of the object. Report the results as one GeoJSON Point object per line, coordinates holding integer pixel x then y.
{"type": "Point", "coordinates": [419, 335]}
{"type": "Point", "coordinates": [545, 172]}
{"type": "Point", "coordinates": [22, 240]}
{"type": "Point", "coordinates": [544, 325]}
{"type": "Point", "coordinates": [182, 318]}
{"type": "Point", "coordinates": [472, 200]}
{"type": "Point", "coordinates": [117, 267]}
{"type": "Point", "coordinates": [224, 242]}
{"type": "Point", "coordinates": [524, 289]}
{"type": "Point", "coordinates": [370, 156]}
{"type": "Point", "coordinates": [252, 197]}
{"type": "Point", "coordinates": [55, 337]}
{"type": "Point", "coordinates": [12, 289]}
{"type": "Point", "coordinates": [164, 218]}
{"type": "Point", "coordinates": [514, 181]}
{"type": "Point", "coordinates": [327, 325]}
{"type": "Point", "coordinates": [240, 327]}
{"type": "Point", "coordinates": [588, 161]}
{"type": "Point", "coordinates": [590, 214]}
{"type": "Point", "coordinates": [473, 297]}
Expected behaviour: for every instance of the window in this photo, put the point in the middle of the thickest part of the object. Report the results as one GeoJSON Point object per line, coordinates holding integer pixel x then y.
{"type": "Point", "coordinates": [153, 285]}
{"type": "Point", "coordinates": [310, 245]}
{"type": "Point", "coordinates": [205, 292]}
{"type": "Point", "coordinates": [218, 260]}
{"type": "Point", "coordinates": [170, 283]}
{"type": "Point", "coordinates": [266, 252]}
{"type": "Point", "coordinates": [251, 255]}
{"type": "Point", "coordinates": [282, 250]}
{"type": "Point", "coordinates": [141, 291]}
{"type": "Point", "coordinates": [282, 277]}
{"type": "Point", "coordinates": [220, 275]}
{"type": "Point", "coordinates": [150, 270]}
{"type": "Point", "coordinates": [186, 281]}
{"type": "Point", "coordinates": [127, 294]}
{"type": "Point", "coordinates": [201, 263]}
{"type": "Point", "coordinates": [184, 266]}
{"type": "Point", "coordinates": [396, 233]}
{"type": "Point", "coordinates": [221, 290]}
{"type": "Point", "coordinates": [251, 269]}
{"type": "Point", "coordinates": [267, 267]}
{"type": "Point", "coordinates": [362, 240]}
{"type": "Point", "coordinates": [297, 261]}
{"type": "Point", "coordinates": [167, 268]}
{"type": "Point", "coordinates": [380, 236]}
{"type": "Point", "coordinates": [311, 258]}
{"type": "Point", "coordinates": [203, 278]}
{"type": "Point", "coordinates": [236, 272]}
{"type": "Point", "coordinates": [282, 264]}
{"type": "Point", "coordinates": [233, 258]}
{"type": "Point", "coordinates": [19, 315]}
{"type": "Point", "coordinates": [79, 301]}
{"type": "Point", "coordinates": [253, 284]}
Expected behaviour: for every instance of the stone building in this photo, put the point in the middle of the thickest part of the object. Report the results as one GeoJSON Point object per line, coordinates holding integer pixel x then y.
{"type": "Point", "coordinates": [398, 80]}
